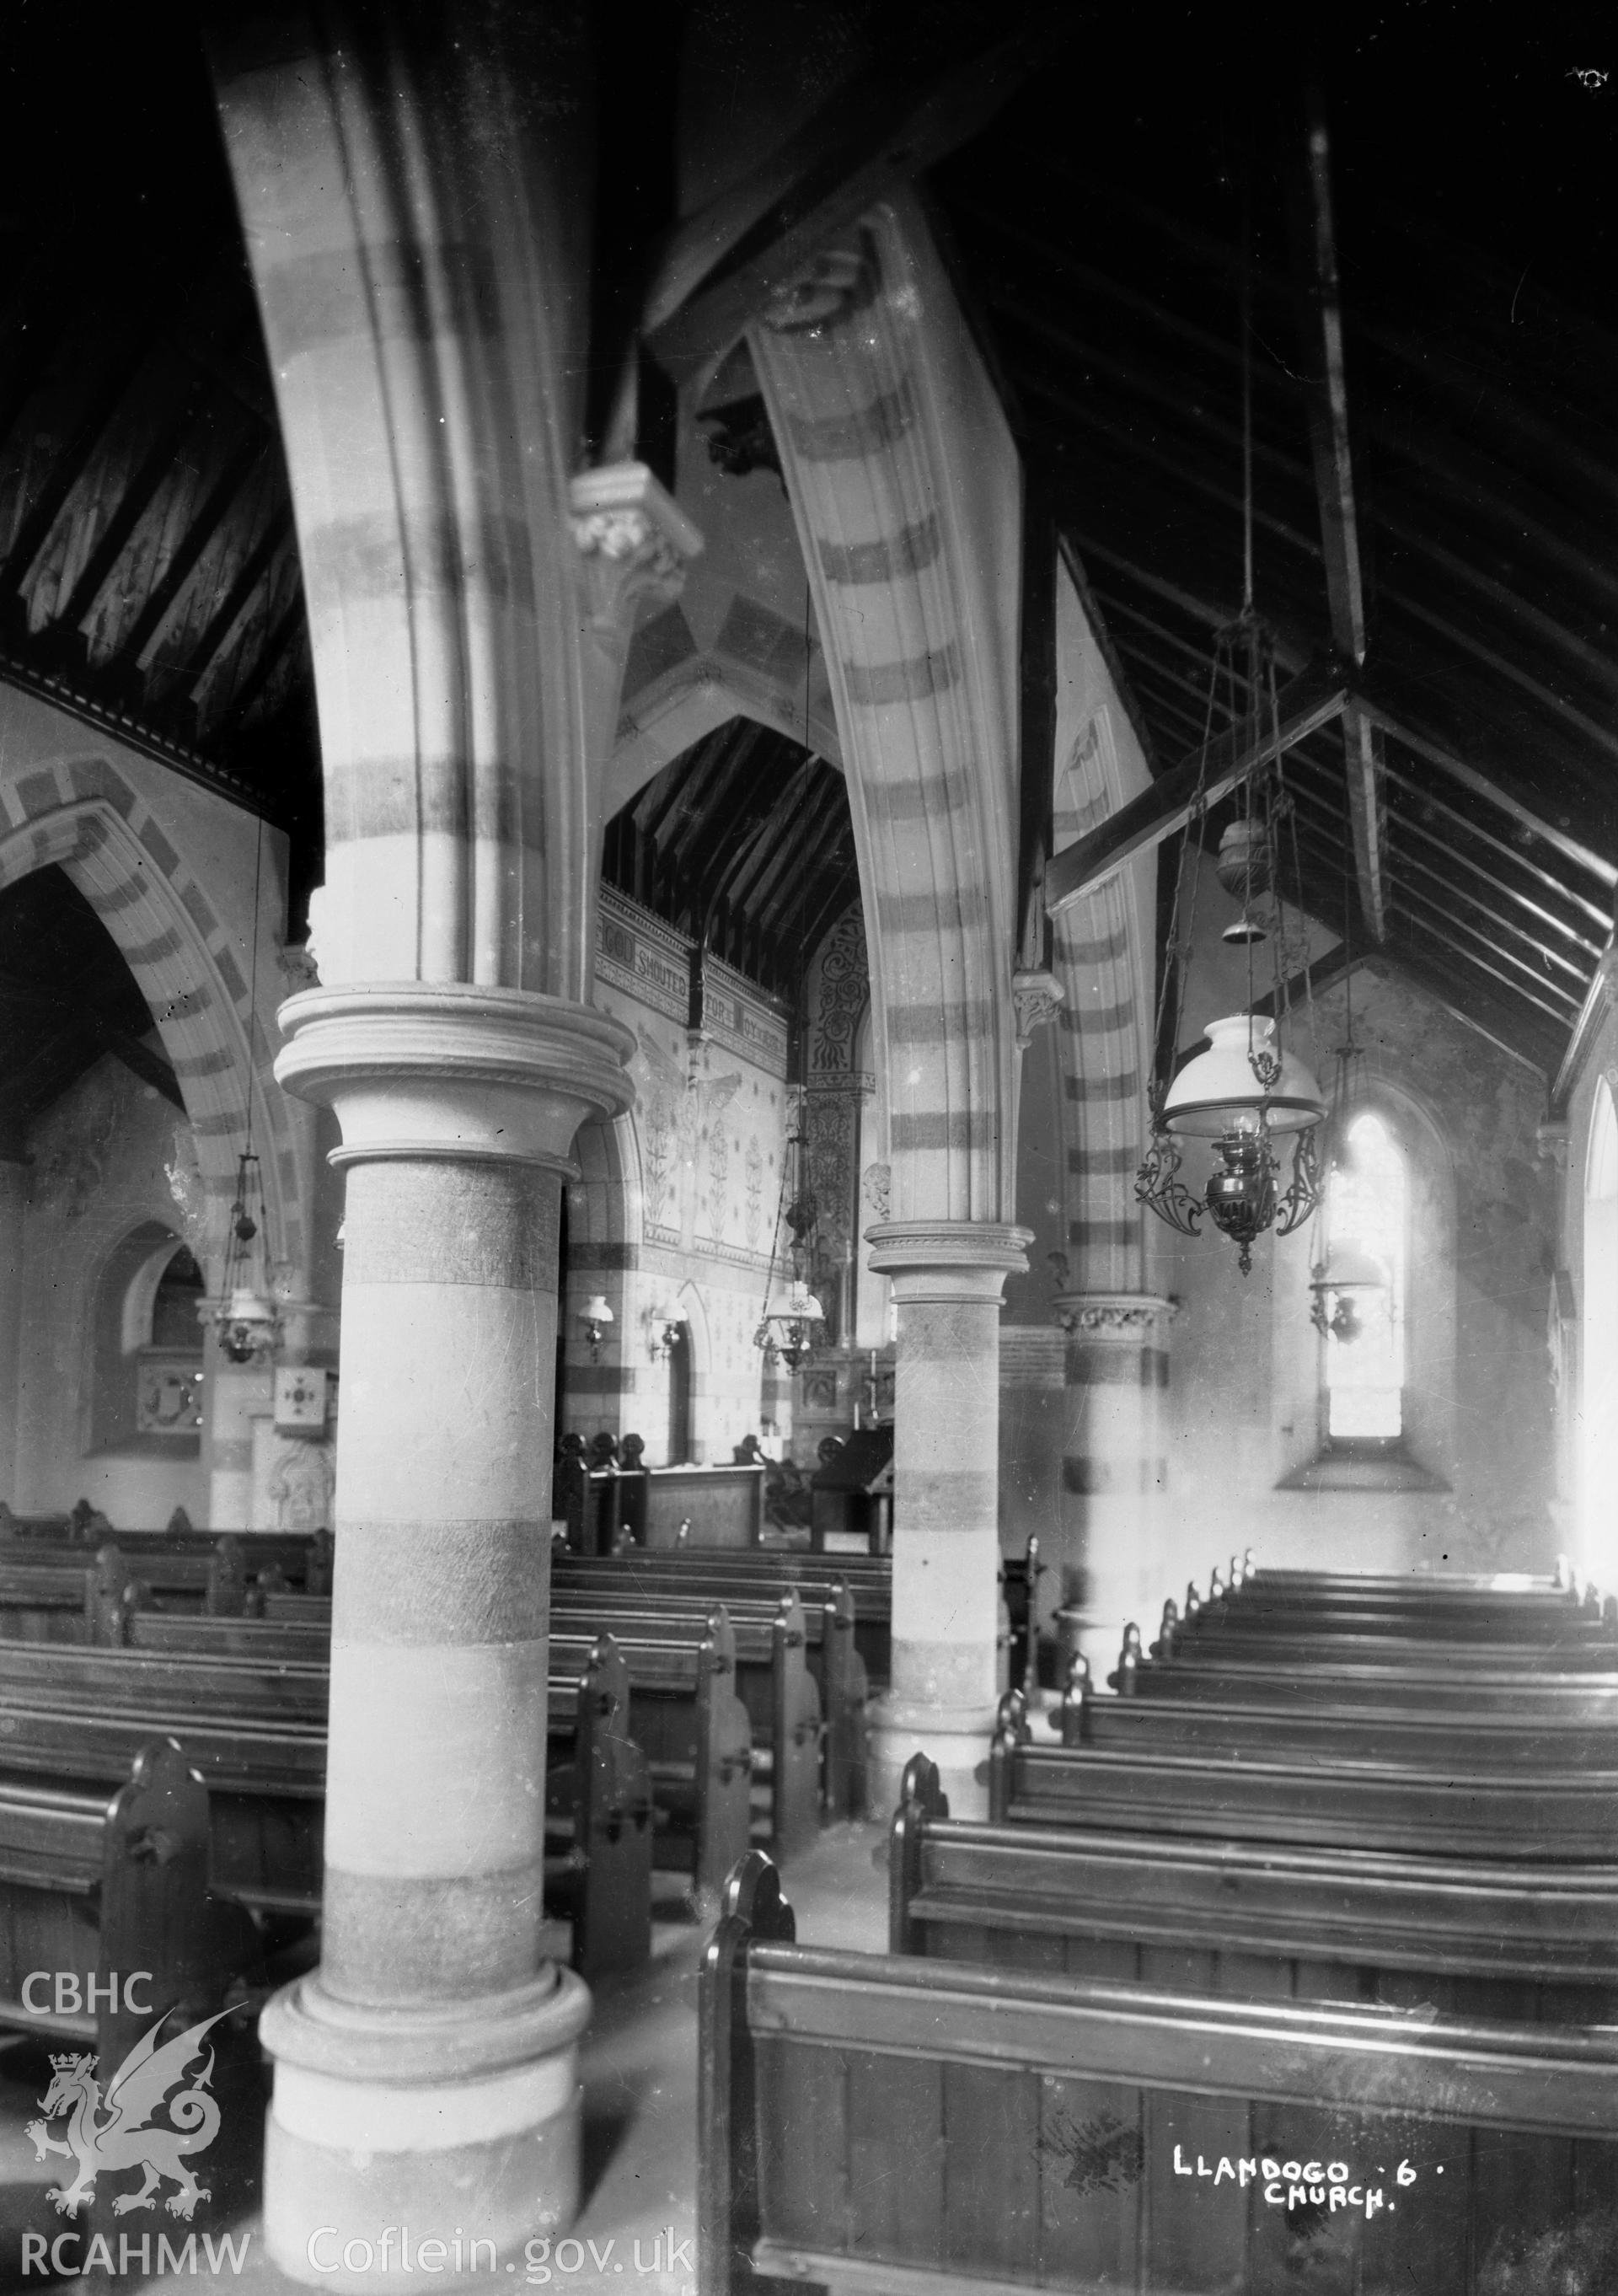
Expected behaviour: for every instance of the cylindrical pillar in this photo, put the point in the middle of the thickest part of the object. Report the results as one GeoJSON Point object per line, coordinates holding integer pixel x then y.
{"type": "Point", "coordinates": [947, 1276]}
{"type": "Point", "coordinates": [1114, 1472]}
{"type": "Point", "coordinates": [427, 2073]}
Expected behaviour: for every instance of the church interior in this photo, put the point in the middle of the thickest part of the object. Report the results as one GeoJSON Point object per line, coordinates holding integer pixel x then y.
{"type": "Point", "coordinates": [808, 1168]}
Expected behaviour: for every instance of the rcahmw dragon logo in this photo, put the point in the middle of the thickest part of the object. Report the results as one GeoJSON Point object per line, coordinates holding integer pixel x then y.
{"type": "Point", "coordinates": [124, 2139]}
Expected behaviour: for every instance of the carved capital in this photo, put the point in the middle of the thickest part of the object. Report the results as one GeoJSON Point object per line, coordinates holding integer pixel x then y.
{"type": "Point", "coordinates": [876, 1185]}
{"type": "Point", "coordinates": [838, 281]}
{"type": "Point", "coordinates": [1551, 1144]}
{"type": "Point", "coordinates": [633, 537]}
{"type": "Point", "coordinates": [299, 968]}
{"type": "Point", "coordinates": [1035, 998]}
{"type": "Point", "coordinates": [1119, 1316]}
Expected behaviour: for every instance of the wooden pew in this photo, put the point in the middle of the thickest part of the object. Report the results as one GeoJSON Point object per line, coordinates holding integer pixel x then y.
{"type": "Point", "coordinates": [99, 1888]}
{"type": "Point", "coordinates": [792, 1725]}
{"type": "Point", "coordinates": [874, 2123]}
{"type": "Point", "coordinates": [767, 1647]}
{"type": "Point", "coordinates": [770, 1677]}
{"type": "Point", "coordinates": [257, 1734]}
{"type": "Point", "coordinates": [773, 1640]}
{"type": "Point", "coordinates": [60, 1603]}
{"type": "Point", "coordinates": [192, 1567]}
{"type": "Point", "coordinates": [868, 1582]}
{"type": "Point", "coordinates": [1255, 1920]}
{"type": "Point", "coordinates": [48, 1581]}
{"type": "Point", "coordinates": [1490, 1735]}
{"type": "Point", "coordinates": [1451, 1685]}
{"type": "Point", "coordinates": [828, 1612]}
{"type": "Point", "coordinates": [685, 1715]}
{"type": "Point", "coordinates": [1516, 1814]}
{"type": "Point", "coordinates": [599, 1817]}
{"type": "Point", "coordinates": [1525, 1608]}
{"type": "Point", "coordinates": [1579, 1647]}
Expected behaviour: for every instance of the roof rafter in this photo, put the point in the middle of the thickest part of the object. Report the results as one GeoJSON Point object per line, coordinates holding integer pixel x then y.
{"type": "Point", "coordinates": [1310, 699]}
{"type": "Point", "coordinates": [1319, 292]}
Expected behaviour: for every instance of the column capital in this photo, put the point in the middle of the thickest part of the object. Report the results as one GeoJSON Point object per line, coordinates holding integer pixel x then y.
{"type": "Point", "coordinates": [633, 537]}
{"type": "Point", "coordinates": [445, 1070]}
{"type": "Point", "coordinates": [1552, 1144]}
{"type": "Point", "coordinates": [1037, 998]}
{"type": "Point", "coordinates": [1126, 1317]}
{"type": "Point", "coordinates": [948, 1258]}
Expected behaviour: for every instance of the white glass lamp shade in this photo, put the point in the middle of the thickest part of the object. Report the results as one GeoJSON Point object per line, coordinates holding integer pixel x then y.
{"type": "Point", "coordinates": [1350, 1268]}
{"type": "Point", "coordinates": [596, 1311]}
{"type": "Point", "coordinates": [796, 1306]}
{"type": "Point", "coordinates": [667, 1315]}
{"type": "Point", "coordinates": [1218, 1092]}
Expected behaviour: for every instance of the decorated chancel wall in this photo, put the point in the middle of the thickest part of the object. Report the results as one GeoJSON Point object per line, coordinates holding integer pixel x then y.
{"type": "Point", "coordinates": [678, 1203]}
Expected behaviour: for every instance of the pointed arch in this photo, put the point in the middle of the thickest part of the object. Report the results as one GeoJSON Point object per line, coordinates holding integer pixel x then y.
{"type": "Point", "coordinates": [83, 816]}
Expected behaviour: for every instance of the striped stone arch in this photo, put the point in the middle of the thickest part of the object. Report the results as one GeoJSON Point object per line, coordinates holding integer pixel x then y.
{"type": "Point", "coordinates": [82, 815]}
{"type": "Point", "coordinates": [1101, 1031]}
{"type": "Point", "coordinates": [904, 484]}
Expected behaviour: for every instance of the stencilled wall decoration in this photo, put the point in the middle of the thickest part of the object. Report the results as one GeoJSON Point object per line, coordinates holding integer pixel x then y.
{"type": "Point", "coordinates": [840, 993]}
{"type": "Point", "coordinates": [754, 1171]}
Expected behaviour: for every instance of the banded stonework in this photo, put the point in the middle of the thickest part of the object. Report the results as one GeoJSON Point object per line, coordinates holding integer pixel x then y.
{"type": "Point", "coordinates": [1114, 1472]}
{"type": "Point", "coordinates": [887, 439]}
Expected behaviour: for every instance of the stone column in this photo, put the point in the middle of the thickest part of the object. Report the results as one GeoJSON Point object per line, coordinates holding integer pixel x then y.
{"type": "Point", "coordinates": [1114, 1473]}
{"type": "Point", "coordinates": [947, 1276]}
{"type": "Point", "coordinates": [427, 2074]}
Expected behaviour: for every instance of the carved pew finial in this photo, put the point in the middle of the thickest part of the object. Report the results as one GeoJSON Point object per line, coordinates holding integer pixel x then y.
{"type": "Point", "coordinates": [1076, 1693]}
{"type": "Point", "coordinates": [1129, 1662]}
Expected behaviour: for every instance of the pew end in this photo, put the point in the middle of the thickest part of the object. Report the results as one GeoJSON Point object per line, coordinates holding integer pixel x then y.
{"type": "Point", "coordinates": [754, 1913]}
{"type": "Point", "coordinates": [609, 1887]}
{"type": "Point", "coordinates": [1011, 1731]}
{"type": "Point", "coordinates": [1076, 1693]}
{"type": "Point", "coordinates": [921, 1798]}
{"type": "Point", "coordinates": [1123, 1680]}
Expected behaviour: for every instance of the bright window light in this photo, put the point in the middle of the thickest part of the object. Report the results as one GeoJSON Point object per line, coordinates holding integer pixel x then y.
{"type": "Point", "coordinates": [1368, 1209]}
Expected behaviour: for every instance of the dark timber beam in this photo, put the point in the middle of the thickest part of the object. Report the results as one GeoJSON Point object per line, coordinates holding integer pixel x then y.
{"type": "Point", "coordinates": [877, 130]}
{"type": "Point", "coordinates": [1308, 701]}
{"type": "Point", "coordinates": [1328, 401]}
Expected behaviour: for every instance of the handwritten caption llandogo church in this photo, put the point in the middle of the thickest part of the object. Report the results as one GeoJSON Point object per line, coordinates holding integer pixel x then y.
{"type": "Point", "coordinates": [1330, 2185]}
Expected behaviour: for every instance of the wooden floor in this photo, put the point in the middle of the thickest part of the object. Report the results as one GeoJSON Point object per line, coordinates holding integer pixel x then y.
{"type": "Point", "coordinates": [640, 2071]}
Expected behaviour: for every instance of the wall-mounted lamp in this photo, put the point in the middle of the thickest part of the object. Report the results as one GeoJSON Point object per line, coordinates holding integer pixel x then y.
{"type": "Point", "coordinates": [596, 1317]}
{"type": "Point", "coordinates": [664, 1323]}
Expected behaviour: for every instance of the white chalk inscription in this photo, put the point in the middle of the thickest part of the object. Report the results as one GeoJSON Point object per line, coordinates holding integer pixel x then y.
{"type": "Point", "coordinates": [1289, 2184]}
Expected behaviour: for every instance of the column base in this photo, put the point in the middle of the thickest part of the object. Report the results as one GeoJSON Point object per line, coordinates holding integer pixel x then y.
{"type": "Point", "coordinates": [455, 2123]}
{"type": "Point", "coordinates": [956, 1738]}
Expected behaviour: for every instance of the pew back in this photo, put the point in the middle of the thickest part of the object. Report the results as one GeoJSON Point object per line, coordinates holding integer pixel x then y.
{"type": "Point", "coordinates": [872, 2123]}
{"type": "Point", "coordinates": [1514, 1814]}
